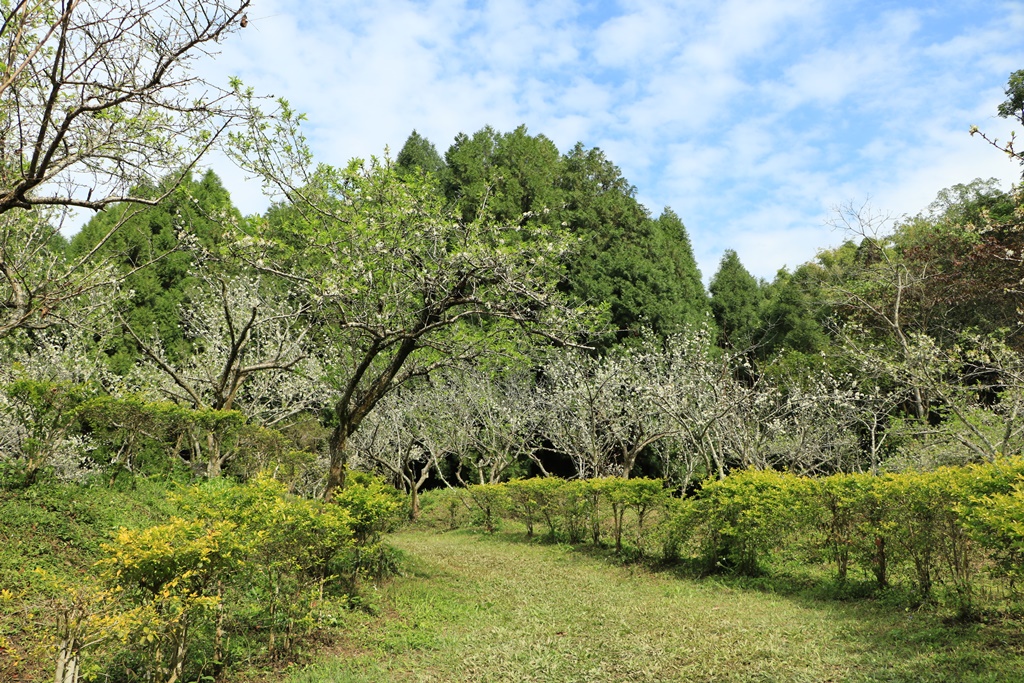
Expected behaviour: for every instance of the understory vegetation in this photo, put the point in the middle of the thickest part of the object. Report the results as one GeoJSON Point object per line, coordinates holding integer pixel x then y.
{"type": "Point", "coordinates": [162, 581]}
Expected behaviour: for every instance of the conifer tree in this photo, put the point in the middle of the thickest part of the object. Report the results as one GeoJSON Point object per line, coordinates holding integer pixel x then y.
{"type": "Point", "coordinates": [736, 302]}
{"type": "Point", "coordinates": [418, 155]}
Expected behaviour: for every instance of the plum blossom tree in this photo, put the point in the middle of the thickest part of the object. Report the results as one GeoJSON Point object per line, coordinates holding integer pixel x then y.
{"type": "Point", "coordinates": [601, 411]}
{"type": "Point", "coordinates": [401, 286]}
{"type": "Point", "coordinates": [99, 105]}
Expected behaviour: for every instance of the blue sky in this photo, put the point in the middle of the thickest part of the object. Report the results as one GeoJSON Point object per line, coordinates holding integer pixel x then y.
{"type": "Point", "coordinates": [752, 119]}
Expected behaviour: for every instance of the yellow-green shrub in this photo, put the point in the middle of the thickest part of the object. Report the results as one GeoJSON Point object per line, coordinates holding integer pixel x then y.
{"type": "Point", "coordinates": [997, 522]}
{"type": "Point", "coordinates": [488, 502]}
{"type": "Point", "coordinates": [745, 516]}
{"type": "Point", "coordinates": [173, 571]}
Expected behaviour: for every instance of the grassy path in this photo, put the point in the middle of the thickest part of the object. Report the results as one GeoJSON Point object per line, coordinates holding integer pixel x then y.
{"type": "Point", "coordinates": [480, 609]}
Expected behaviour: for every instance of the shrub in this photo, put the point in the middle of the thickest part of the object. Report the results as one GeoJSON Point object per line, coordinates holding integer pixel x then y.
{"type": "Point", "coordinates": [997, 522]}
{"type": "Point", "coordinates": [677, 527]}
{"type": "Point", "coordinates": [748, 514]}
{"type": "Point", "coordinates": [573, 505]}
{"type": "Point", "coordinates": [523, 502]}
{"type": "Point", "coordinates": [443, 509]}
{"type": "Point", "coordinates": [487, 502]}
{"type": "Point", "coordinates": [173, 571]}
{"type": "Point", "coordinates": [290, 546]}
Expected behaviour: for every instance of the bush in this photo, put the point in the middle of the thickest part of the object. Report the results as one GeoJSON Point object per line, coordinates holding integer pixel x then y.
{"type": "Point", "coordinates": [443, 509]}
{"type": "Point", "coordinates": [997, 522]}
{"type": "Point", "coordinates": [523, 502]}
{"type": "Point", "coordinates": [487, 503]}
{"type": "Point", "coordinates": [173, 572]}
{"type": "Point", "coordinates": [676, 529]}
{"type": "Point", "coordinates": [745, 516]}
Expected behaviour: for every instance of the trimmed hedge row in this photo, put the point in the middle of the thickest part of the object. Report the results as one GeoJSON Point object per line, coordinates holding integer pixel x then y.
{"type": "Point", "coordinates": [941, 528]}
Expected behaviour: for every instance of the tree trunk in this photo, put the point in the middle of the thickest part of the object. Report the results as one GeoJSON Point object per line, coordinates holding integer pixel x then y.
{"type": "Point", "coordinates": [879, 564]}
{"type": "Point", "coordinates": [414, 510]}
{"type": "Point", "coordinates": [67, 662]}
{"type": "Point", "coordinates": [218, 634]}
{"type": "Point", "coordinates": [628, 460]}
{"type": "Point", "coordinates": [213, 453]}
{"type": "Point", "coordinates": [339, 460]}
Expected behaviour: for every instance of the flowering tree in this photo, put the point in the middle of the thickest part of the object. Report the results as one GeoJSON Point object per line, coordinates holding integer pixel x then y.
{"type": "Point", "coordinates": [407, 435]}
{"type": "Point", "coordinates": [249, 354]}
{"type": "Point", "coordinates": [99, 105]}
{"type": "Point", "coordinates": [601, 411]}
{"type": "Point", "coordinates": [400, 285]}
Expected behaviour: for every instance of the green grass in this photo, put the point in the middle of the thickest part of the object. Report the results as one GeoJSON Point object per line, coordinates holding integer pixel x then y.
{"type": "Point", "coordinates": [481, 609]}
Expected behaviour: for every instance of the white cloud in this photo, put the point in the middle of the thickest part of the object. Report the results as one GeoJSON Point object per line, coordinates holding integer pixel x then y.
{"type": "Point", "coordinates": [749, 117]}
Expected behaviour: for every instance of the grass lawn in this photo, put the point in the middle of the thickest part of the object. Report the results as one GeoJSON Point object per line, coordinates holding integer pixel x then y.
{"type": "Point", "coordinates": [477, 608]}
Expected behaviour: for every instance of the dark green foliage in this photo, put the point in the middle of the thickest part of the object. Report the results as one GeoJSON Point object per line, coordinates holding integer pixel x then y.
{"type": "Point", "coordinates": [615, 234]}
{"type": "Point", "coordinates": [641, 269]}
{"type": "Point", "coordinates": [794, 314]}
{"type": "Point", "coordinates": [737, 302]}
{"type": "Point", "coordinates": [418, 155]}
{"type": "Point", "coordinates": [685, 302]}
{"type": "Point", "coordinates": [501, 176]}
{"type": "Point", "coordinates": [151, 251]}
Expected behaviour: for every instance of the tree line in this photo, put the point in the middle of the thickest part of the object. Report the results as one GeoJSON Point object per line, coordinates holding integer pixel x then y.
{"type": "Point", "coordinates": [524, 297]}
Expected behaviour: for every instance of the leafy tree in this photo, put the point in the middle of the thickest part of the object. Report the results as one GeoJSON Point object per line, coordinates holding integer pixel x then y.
{"type": "Point", "coordinates": [643, 270]}
{"type": "Point", "coordinates": [504, 177]}
{"type": "Point", "coordinates": [684, 301]}
{"type": "Point", "coordinates": [401, 287]}
{"type": "Point", "coordinates": [882, 298]}
{"type": "Point", "coordinates": [970, 240]}
{"type": "Point", "coordinates": [794, 316]}
{"type": "Point", "coordinates": [975, 204]}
